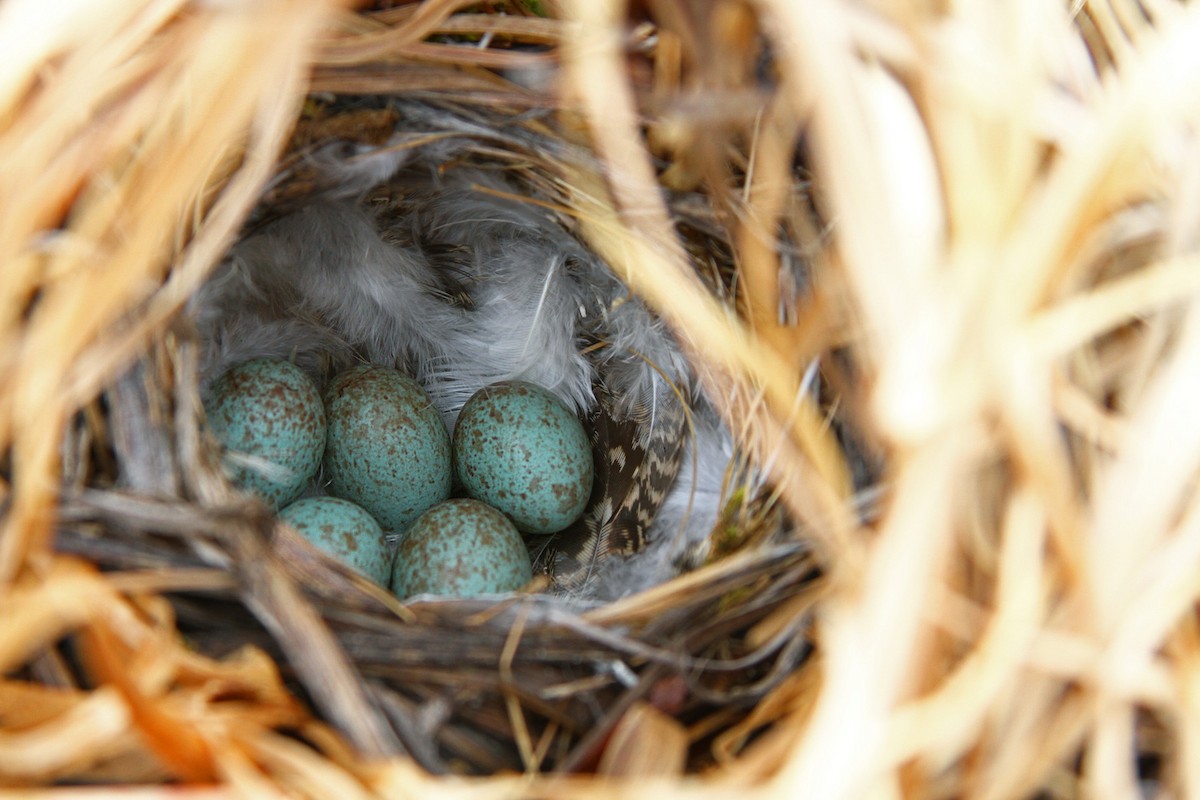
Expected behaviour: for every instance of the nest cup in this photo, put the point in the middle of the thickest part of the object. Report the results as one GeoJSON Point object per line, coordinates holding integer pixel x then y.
{"type": "Point", "coordinates": [933, 269]}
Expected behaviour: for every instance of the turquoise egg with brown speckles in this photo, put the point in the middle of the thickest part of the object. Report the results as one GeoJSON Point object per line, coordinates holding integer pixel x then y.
{"type": "Point", "coordinates": [388, 449]}
{"type": "Point", "coordinates": [461, 547]}
{"type": "Point", "coordinates": [270, 418]}
{"type": "Point", "coordinates": [518, 448]}
{"type": "Point", "coordinates": [343, 530]}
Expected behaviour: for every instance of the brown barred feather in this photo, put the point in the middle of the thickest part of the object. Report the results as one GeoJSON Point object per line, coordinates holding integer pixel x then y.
{"type": "Point", "coordinates": [636, 460]}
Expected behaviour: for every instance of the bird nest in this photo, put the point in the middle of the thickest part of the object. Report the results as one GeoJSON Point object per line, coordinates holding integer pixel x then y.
{"type": "Point", "coordinates": [921, 280]}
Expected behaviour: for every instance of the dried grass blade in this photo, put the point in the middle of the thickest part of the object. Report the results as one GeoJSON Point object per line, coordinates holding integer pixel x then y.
{"type": "Point", "coordinates": [646, 743]}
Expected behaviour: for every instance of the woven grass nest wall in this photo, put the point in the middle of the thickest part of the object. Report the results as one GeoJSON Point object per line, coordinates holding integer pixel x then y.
{"type": "Point", "coordinates": [934, 266]}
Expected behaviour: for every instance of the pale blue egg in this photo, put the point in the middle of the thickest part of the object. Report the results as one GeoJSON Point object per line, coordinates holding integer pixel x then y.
{"type": "Point", "coordinates": [270, 418]}
{"type": "Point", "coordinates": [461, 547]}
{"type": "Point", "coordinates": [388, 449]}
{"type": "Point", "coordinates": [518, 448]}
{"type": "Point", "coordinates": [343, 530]}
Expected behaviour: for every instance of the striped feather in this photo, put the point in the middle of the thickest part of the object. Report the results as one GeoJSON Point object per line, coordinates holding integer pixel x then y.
{"type": "Point", "coordinates": [636, 462]}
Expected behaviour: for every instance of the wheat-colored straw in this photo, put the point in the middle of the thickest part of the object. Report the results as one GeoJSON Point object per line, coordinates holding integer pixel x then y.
{"type": "Point", "coordinates": [998, 213]}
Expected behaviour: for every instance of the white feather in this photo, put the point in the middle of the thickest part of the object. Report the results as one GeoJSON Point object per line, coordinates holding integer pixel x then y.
{"type": "Point", "coordinates": [321, 283]}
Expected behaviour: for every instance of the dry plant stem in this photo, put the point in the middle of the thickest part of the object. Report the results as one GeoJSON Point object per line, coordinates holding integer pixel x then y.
{"type": "Point", "coordinates": [291, 764]}
{"type": "Point", "coordinates": [939, 725]}
{"type": "Point", "coordinates": [153, 680]}
{"type": "Point", "coordinates": [1084, 317]}
{"type": "Point", "coordinates": [1153, 568]}
{"type": "Point", "coordinates": [526, 29]}
{"type": "Point", "coordinates": [120, 246]}
{"type": "Point", "coordinates": [1078, 189]}
{"type": "Point", "coordinates": [1186, 648]}
{"type": "Point", "coordinates": [876, 619]}
{"type": "Point", "coordinates": [314, 653]}
{"type": "Point", "coordinates": [475, 86]}
{"type": "Point", "coordinates": [872, 629]}
{"type": "Point", "coordinates": [1158, 467]}
{"type": "Point", "coordinates": [270, 122]}
{"type": "Point", "coordinates": [512, 703]}
{"type": "Point", "coordinates": [95, 725]}
{"type": "Point", "coordinates": [768, 193]}
{"type": "Point", "coordinates": [386, 43]}
{"type": "Point", "coordinates": [493, 59]}
{"type": "Point", "coordinates": [1093, 175]}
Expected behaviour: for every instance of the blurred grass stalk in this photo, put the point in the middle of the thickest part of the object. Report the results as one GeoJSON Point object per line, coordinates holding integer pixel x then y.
{"type": "Point", "coordinates": [966, 175]}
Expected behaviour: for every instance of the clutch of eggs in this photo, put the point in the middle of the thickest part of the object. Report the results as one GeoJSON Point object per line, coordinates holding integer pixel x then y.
{"type": "Point", "coordinates": [518, 452]}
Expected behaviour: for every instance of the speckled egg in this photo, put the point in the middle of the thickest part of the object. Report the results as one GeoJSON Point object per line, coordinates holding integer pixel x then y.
{"type": "Point", "coordinates": [344, 530]}
{"type": "Point", "coordinates": [269, 416]}
{"type": "Point", "coordinates": [518, 448]}
{"type": "Point", "coordinates": [460, 547]}
{"type": "Point", "coordinates": [388, 449]}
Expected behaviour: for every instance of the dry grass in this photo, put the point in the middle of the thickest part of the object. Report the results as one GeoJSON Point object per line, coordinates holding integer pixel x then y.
{"type": "Point", "coordinates": [998, 206]}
